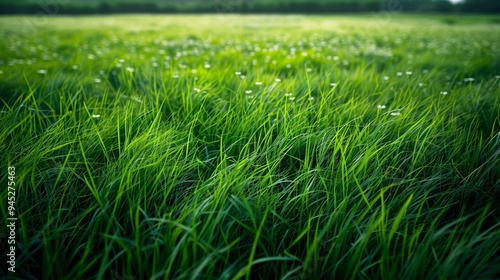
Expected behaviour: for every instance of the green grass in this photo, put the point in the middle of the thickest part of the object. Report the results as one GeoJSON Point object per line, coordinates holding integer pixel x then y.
{"type": "Point", "coordinates": [181, 172]}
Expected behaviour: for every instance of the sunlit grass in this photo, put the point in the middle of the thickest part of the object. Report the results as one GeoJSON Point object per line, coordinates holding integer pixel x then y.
{"type": "Point", "coordinates": [248, 147]}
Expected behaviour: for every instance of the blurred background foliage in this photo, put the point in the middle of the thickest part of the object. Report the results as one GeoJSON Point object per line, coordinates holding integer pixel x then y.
{"type": "Point", "coordinates": [246, 6]}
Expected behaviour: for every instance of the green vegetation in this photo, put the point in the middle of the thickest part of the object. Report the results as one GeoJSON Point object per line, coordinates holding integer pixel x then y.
{"type": "Point", "coordinates": [253, 147]}
{"type": "Point", "coordinates": [52, 7]}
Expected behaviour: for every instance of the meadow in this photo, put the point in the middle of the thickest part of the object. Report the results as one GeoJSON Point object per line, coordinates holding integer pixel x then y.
{"type": "Point", "coordinates": [252, 147]}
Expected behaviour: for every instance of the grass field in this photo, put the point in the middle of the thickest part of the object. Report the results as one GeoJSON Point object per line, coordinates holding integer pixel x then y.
{"type": "Point", "coordinates": [252, 147]}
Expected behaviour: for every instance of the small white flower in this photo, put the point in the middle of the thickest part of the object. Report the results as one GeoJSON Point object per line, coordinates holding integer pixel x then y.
{"type": "Point", "coordinates": [291, 98]}
{"type": "Point", "coordinates": [121, 60]}
{"type": "Point", "coordinates": [409, 72]}
{"type": "Point", "coordinates": [258, 83]}
{"type": "Point", "coordinates": [91, 56]}
{"type": "Point", "coordinates": [333, 84]}
{"type": "Point", "coordinates": [497, 77]}
{"type": "Point", "coordinates": [399, 74]}
{"type": "Point", "coordinates": [395, 113]}
{"type": "Point", "coordinates": [381, 106]}
{"type": "Point", "coordinates": [96, 116]}
{"type": "Point", "coordinates": [75, 67]}
{"type": "Point", "coordinates": [175, 76]}
{"type": "Point", "coordinates": [250, 96]}
{"type": "Point", "coordinates": [444, 93]}
{"type": "Point", "coordinates": [468, 79]}
{"type": "Point", "coordinates": [193, 71]}
{"type": "Point", "coordinates": [119, 65]}
{"type": "Point", "coordinates": [130, 69]}
{"type": "Point", "coordinates": [207, 66]}
{"type": "Point", "coordinates": [97, 80]}
{"type": "Point", "coordinates": [278, 80]}
{"type": "Point", "coordinates": [248, 91]}
{"type": "Point", "coordinates": [335, 58]}
{"type": "Point", "coordinates": [42, 72]}
{"type": "Point", "coordinates": [421, 84]}
{"type": "Point", "coordinates": [237, 73]}
{"type": "Point", "coordinates": [197, 89]}
{"type": "Point", "coordinates": [386, 78]}
{"type": "Point", "coordinates": [288, 66]}
{"type": "Point", "coordinates": [242, 77]}
{"type": "Point", "coordinates": [310, 98]}
{"type": "Point", "coordinates": [288, 94]}
{"type": "Point", "coordinates": [308, 70]}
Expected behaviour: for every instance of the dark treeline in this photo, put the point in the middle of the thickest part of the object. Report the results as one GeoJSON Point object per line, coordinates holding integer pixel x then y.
{"type": "Point", "coordinates": [249, 6]}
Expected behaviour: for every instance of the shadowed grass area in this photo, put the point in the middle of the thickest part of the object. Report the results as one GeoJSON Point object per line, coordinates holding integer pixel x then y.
{"type": "Point", "coordinates": [252, 147]}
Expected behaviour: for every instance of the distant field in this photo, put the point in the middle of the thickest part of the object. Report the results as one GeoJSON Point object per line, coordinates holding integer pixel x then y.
{"type": "Point", "coordinates": [256, 147]}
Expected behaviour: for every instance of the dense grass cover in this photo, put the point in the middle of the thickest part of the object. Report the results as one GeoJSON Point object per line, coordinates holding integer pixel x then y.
{"type": "Point", "coordinates": [230, 147]}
